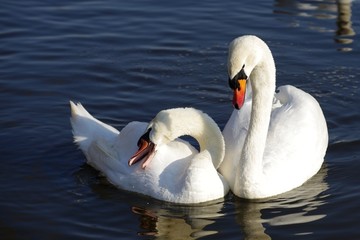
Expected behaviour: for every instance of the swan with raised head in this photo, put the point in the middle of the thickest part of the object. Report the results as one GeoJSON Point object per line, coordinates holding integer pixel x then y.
{"type": "Point", "coordinates": [171, 170]}
{"type": "Point", "coordinates": [273, 142]}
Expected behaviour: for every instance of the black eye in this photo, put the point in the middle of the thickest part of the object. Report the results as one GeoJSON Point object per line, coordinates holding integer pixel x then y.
{"type": "Point", "coordinates": [145, 136]}
{"type": "Point", "coordinates": [241, 74]}
{"type": "Point", "coordinates": [231, 83]}
{"type": "Point", "coordinates": [234, 83]}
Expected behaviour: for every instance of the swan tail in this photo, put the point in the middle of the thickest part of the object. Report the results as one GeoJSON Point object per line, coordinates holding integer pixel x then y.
{"type": "Point", "coordinates": [87, 129]}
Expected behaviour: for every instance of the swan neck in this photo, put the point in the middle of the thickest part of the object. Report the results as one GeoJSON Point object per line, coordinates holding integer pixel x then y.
{"type": "Point", "coordinates": [262, 81]}
{"type": "Point", "coordinates": [207, 134]}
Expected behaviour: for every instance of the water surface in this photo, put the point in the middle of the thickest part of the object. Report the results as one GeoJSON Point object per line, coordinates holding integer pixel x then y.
{"type": "Point", "coordinates": [126, 60]}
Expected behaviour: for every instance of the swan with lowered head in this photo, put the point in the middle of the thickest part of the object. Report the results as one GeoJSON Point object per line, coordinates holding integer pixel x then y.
{"type": "Point", "coordinates": [171, 170]}
{"type": "Point", "coordinates": [274, 143]}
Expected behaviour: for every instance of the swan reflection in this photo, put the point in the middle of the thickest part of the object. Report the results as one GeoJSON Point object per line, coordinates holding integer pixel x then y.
{"type": "Point", "coordinates": [298, 206]}
{"type": "Point", "coordinates": [253, 219]}
{"type": "Point", "coordinates": [339, 10]}
{"type": "Point", "coordinates": [178, 222]}
{"type": "Point", "coordinates": [159, 219]}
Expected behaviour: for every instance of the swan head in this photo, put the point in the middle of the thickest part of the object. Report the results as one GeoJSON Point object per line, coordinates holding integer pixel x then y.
{"type": "Point", "coordinates": [173, 123]}
{"type": "Point", "coordinates": [245, 54]}
{"type": "Point", "coordinates": [164, 128]}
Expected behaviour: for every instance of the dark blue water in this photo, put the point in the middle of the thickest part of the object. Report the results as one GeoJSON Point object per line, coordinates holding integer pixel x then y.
{"type": "Point", "coordinates": [126, 60]}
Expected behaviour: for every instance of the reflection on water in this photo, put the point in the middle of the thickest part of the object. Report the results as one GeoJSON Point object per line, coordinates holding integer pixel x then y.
{"type": "Point", "coordinates": [344, 25]}
{"type": "Point", "coordinates": [178, 222]}
{"type": "Point", "coordinates": [326, 9]}
{"type": "Point", "coordinates": [163, 220]}
{"type": "Point", "coordinates": [298, 206]}
{"type": "Point", "coordinates": [156, 218]}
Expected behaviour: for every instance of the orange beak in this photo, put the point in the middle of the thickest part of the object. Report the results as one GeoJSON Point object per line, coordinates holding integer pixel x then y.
{"type": "Point", "coordinates": [239, 94]}
{"type": "Point", "coordinates": [145, 152]}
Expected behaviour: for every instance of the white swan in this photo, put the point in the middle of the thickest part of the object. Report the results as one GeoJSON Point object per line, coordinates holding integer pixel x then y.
{"type": "Point", "coordinates": [273, 143]}
{"type": "Point", "coordinates": [172, 170]}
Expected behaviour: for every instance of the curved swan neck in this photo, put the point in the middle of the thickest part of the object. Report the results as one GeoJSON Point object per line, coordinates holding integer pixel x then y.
{"type": "Point", "coordinates": [262, 79]}
{"type": "Point", "coordinates": [189, 121]}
